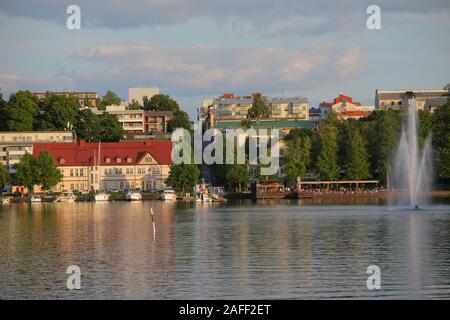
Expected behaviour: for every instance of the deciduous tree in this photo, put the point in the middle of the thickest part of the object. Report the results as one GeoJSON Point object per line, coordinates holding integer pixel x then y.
{"type": "Point", "coordinates": [21, 110]}
{"type": "Point", "coordinates": [47, 173]}
{"type": "Point", "coordinates": [259, 108]}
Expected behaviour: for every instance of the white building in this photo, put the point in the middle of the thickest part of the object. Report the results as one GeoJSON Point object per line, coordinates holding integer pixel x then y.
{"type": "Point", "coordinates": [396, 99]}
{"type": "Point", "coordinates": [138, 94]}
{"type": "Point", "coordinates": [345, 108]}
{"type": "Point", "coordinates": [14, 144]}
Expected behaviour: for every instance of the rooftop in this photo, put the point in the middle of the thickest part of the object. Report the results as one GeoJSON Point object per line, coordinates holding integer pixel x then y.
{"type": "Point", "coordinates": [118, 153]}
{"type": "Point", "coordinates": [225, 124]}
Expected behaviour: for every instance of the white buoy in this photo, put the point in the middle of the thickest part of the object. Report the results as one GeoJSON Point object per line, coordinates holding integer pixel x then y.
{"type": "Point", "coordinates": [153, 222]}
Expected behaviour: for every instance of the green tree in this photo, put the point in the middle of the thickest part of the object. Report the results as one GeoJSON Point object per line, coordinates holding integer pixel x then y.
{"type": "Point", "coordinates": [425, 124]}
{"type": "Point", "coordinates": [447, 87]}
{"type": "Point", "coordinates": [21, 110]}
{"type": "Point", "coordinates": [183, 176]}
{"type": "Point", "coordinates": [180, 120]}
{"type": "Point", "coordinates": [441, 140]}
{"type": "Point", "coordinates": [110, 128]}
{"type": "Point", "coordinates": [357, 166]}
{"type": "Point", "coordinates": [134, 105]}
{"type": "Point", "coordinates": [259, 108]}
{"type": "Point", "coordinates": [386, 133]}
{"type": "Point", "coordinates": [3, 117]}
{"type": "Point", "coordinates": [327, 159]}
{"type": "Point", "coordinates": [87, 125]}
{"type": "Point", "coordinates": [298, 133]}
{"type": "Point", "coordinates": [4, 176]}
{"type": "Point", "coordinates": [110, 99]}
{"type": "Point", "coordinates": [443, 161]}
{"type": "Point", "coordinates": [47, 173]}
{"type": "Point", "coordinates": [238, 175]}
{"type": "Point", "coordinates": [161, 102]}
{"type": "Point", "coordinates": [57, 112]}
{"type": "Point", "coordinates": [298, 157]}
{"type": "Point", "coordinates": [26, 172]}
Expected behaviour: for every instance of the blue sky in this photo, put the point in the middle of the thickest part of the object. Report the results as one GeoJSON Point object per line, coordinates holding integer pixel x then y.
{"type": "Point", "coordinates": [202, 48]}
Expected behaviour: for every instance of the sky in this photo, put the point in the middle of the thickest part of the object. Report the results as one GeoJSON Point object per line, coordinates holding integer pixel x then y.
{"type": "Point", "coordinates": [194, 49]}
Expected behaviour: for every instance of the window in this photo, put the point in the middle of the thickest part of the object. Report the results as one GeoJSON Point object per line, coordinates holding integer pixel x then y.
{"type": "Point", "coordinates": [107, 160]}
{"type": "Point", "coordinates": [81, 172]}
{"type": "Point", "coordinates": [71, 172]}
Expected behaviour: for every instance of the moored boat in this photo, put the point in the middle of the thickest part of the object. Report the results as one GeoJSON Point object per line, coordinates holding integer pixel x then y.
{"type": "Point", "coordinates": [133, 195]}
{"type": "Point", "coordinates": [101, 197]}
{"type": "Point", "coordinates": [35, 199]}
{"type": "Point", "coordinates": [66, 197]}
{"type": "Point", "coordinates": [168, 195]}
{"type": "Point", "coordinates": [6, 201]}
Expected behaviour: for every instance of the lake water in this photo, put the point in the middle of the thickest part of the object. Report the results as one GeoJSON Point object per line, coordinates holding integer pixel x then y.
{"type": "Point", "coordinates": [268, 250]}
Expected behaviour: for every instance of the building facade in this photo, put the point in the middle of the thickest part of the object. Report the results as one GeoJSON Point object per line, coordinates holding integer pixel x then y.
{"type": "Point", "coordinates": [87, 99]}
{"type": "Point", "coordinates": [230, 107]}
{"type": "Point", "coordinates": [120, 166]}
{"type": "Point", "coordinates": [138, 94]}
{"type": "Point", "coordinates": [345, 108]}
{"type": "Point", "coordinates": [14, 144]}
{"type": "Point", "coordinates": [396, 99]}
{"type": "Point", "coordinates": [140, 121]}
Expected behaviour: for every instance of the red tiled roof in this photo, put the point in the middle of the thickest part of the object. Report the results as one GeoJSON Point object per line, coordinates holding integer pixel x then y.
{"type": "Point", "coordinates": [83, 154]}
{"type": "Point", "coordinates": [354, 113]}
{"type": "Point", "coordinates": [339, 100]}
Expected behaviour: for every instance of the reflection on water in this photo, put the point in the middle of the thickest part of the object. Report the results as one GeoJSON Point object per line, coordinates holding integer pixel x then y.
{"type": "Point", "coordinates": [266, 250]}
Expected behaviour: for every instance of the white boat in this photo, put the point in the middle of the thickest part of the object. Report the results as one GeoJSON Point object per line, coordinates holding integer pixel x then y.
{"type": "Point", "coordinates": [35, 199]}
{"type": "Point", "coordinates": [203, 197]}
{"type": "Point", "coordinates": [66, 197]}
{"type": "Point", "coordinates": [6, 201]}
{"type": "Point", "coordinates": [168, 195]}
{"type": "Point", "coordinates": [101, 197]}
{"type": "Point", "coordinates": [133, 195]}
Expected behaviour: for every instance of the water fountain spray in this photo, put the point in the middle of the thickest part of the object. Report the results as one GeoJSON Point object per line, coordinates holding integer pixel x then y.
{"type": "Point", "coordinates": [411, 170]}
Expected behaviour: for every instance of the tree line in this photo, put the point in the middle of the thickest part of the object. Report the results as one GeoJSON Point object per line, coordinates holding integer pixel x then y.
{"type": "Point", "coordinates": [25, 112]}
{"type": "Point", "coordinates": [363, 149]}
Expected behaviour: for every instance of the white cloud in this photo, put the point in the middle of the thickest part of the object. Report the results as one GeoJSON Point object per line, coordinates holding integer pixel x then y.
{"type": "Point", "coordinates": [200, 69]}
{"type": "Point", "coordinates": [350, 63]}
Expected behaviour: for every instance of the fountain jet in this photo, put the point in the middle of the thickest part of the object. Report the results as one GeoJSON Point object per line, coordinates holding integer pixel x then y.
{"type": "Point", "coordinates": [411, 169]}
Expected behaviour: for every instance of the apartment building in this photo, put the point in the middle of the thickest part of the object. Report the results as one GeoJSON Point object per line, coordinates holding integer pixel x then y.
{"type": "Point", "coordinates": [345, 108]}
{"type": "Point", "coordinates": [230, 107]}
{"type": "Point", "coordinates": [87, 99]}
{"type": "Point", "coordinates": [396, 99]}
{"type": "Point", "coordinates": [140, 121]}
{"type": "Point", "coordinates": [122, 166]}
{"type": "Point", "coordinates": [14, 144]}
